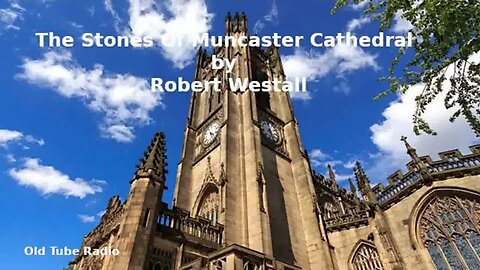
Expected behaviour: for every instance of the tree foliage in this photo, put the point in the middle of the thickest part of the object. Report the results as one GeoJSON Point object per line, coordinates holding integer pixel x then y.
{"type": "Point", "coordinates": [446, 35]}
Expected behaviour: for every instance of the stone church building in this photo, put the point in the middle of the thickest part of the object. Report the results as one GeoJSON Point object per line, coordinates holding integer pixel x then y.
{"type": "Point", "coordinates": [246, 197]}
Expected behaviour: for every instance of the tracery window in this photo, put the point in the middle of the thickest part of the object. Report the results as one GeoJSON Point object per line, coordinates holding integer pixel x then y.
{"type": "Point", "coordinates": [449, 230]}
{"type": "Point", "coordinates": [366, 258]}
{"type": "Point", "coordinates": [209, 205]}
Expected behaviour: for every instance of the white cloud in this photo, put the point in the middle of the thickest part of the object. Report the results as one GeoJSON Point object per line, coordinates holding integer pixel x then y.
{"type": "Point", "coordinates": [333, 162]}
{"type": "Point", "coordinates": [349, 164]}
{"type": "Point", "coordinates": [398, 121]}
{"type": "Point", "coordinates": [271, 17]}
{"type": "Point", "coordinates": [76, 25]}
{"type": "Point", "coordinates": [101, 213]}
{"type": "Point", "coordinates": [400, 24]}
{"type": "Point", "coordinates": [183, 19]}
{"type": "Point", "coordinates": [87, 218]}
{"type": "Point", "coordinates": [9, 136]}
{"type": "Point", "coordinates": [91, 11]}
{"type": "Point", "coordinates": [116, 18]}
{"type": "Point", "coordinates": [342, 87]}
{"type": "Point", "coordinates": [318, 158]}
{"type": "Point", "coordinates": [120, 133]}
{"type": "Point", "coordinates": [361, 5]}
{"type": "Point", "coordinates": [10, 158]}
{"type": "Point", "coordinates": [318, 154]}
{"type": "Point", "coordinates": [338, 177]}
{"type": "Point", "coordinates": [31, 139]}
{"type": "Point", "coordinates": [343, 177]}
{"type": "Point", "coordinates": [48, 180]}
{"type": "Point", "coordinates": [304, 96]}
{"type": "Point", "coordinates": [355, 24]}
{"type": "Point", "coordinates": [10, 15]}
{"type": "Point", "coordinates": [338, 60]}
{"type": "Point", "coordinates": [124, 100]}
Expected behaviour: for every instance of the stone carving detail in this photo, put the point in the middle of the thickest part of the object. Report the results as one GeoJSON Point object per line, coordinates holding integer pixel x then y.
{"type": "Point", "coordinates": [99, 237]}
{"type": "Point", "coordinates": [209, 177]}
{"type": "Point", "coordinates": [251, 265]}
{"type": "Point", "coordinates": [161, 259]}
{"type": "Point", "coordinates": [449, 229]}
{"type": "Point", "coordinates": [340, 209]}
{"type": "Point", "coordinates": [209, 205]}
{"type": "Point", "coordinates": [219, 264]}
{"type": "Point", "coordinates": [366, 258]}
{"type": "Point", "coordinates": [93, 262]}
{"type": "Point", "coordinates": [330, 210]}
{"type": "Point", "coordinates": [211, 198]}
{"type": "Point", "coordinates": [261, 186]}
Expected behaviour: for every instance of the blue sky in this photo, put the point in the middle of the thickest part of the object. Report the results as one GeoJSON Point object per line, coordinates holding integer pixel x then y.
{"type": "Point", "coordinates": [73, 122]}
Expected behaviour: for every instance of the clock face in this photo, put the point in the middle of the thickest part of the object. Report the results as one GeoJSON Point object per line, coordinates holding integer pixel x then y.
{"type": "Point", "coordinates": [210, 133]}
{"type": "Point", "coordinates": [269, 131]}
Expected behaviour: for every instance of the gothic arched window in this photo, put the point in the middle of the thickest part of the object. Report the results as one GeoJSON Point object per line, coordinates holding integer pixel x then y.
{"type": "Point", "coordinates": [448, 227]}
{"type": "Point", "coordinates": [366, 258]}
{"type": "Point", "coordinates": [209, 205]}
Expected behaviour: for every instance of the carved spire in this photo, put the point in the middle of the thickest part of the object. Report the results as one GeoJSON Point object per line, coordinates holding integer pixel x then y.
{"type": "Point", "coordinates": [331, 173]}
{"type": "Point", "coordinates": [362, 179]}
{"type": "Point", "coordinates": [421, 166]}
{"type": "Point", "coordinates": [332, 177]}
{"type": "Point", "coordinates": [364, 183]}
{"type": "Point", "coordinates": [154, 159]}
{"type": "Point", "coordinates": [209, 173]}
{"type": "Point", "coordinates": [412, 152]}
{"type": "Point", "coordinates": [353, 189]}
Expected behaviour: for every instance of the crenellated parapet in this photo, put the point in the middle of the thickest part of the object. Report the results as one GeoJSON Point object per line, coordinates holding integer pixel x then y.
{"type": "Point", "coordinates": [346, 209]}
{"type": "Point", "coordinates": [451, 164]}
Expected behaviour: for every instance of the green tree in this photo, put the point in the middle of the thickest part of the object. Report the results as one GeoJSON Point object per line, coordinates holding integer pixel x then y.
{"type": "Point", "coordinates": [446, 35]}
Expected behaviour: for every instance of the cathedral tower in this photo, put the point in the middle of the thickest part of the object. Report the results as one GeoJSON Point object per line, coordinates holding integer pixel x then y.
{"type": "Point", "coordinates": [243, 164]}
